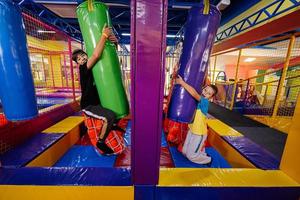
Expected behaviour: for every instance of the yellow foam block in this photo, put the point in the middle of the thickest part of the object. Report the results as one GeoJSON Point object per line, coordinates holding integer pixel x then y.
{"type": "Point", "coordinates": [66, 192]}
{"type": "Point", "coordinates": [212, 177]}
{"type": "Point", "coordinates": [221, 128]}
{"type": "Point", "coordinates": [65, 125]}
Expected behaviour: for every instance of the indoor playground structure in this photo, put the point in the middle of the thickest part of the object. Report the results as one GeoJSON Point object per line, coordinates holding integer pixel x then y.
{"type": "Point", "coordinates": [249, 49]}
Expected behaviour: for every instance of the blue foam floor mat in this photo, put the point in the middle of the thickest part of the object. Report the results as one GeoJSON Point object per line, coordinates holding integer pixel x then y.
{"type": "Point", "coordinates": [127, 136]}
{"type": "Point", "coordinates": [181, 161]}
{"type": "Point", "coordinates": [85, 156]}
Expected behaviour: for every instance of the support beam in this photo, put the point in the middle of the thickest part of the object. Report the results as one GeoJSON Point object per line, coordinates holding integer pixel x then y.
{"type": "Point", "coordinates": [235, 79]}
{"type": "Point", "coordinates": [72, 68]}
{"type": "Point", "coordinates": [275, 27]}
{"type": "Point", "coordinates": [214, 72]}
{"type": "Point", "coordinates": [148, 44]}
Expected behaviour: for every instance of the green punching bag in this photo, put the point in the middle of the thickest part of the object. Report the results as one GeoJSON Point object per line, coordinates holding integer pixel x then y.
{"type": "Point", "coordinates": [92, 17]}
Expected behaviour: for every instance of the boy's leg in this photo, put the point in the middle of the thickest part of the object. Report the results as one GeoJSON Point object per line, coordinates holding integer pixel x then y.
{"type": "Point", "coordinates": [186, 143]}
{"type": "Point", "coordinates": [101, 141]}
{"type": "Point", "coordinates": [103, 130]}
{"type": "Point", "coordinates": [195, 149]}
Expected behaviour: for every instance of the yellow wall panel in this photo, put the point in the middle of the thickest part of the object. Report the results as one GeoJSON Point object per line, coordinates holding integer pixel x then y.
{"type": "Point", "coordinates": [12, 192]}
{"type": "Point", "coordinates": [290, 162]}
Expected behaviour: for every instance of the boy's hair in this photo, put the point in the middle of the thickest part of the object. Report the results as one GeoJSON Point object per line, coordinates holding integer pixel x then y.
{"type": "Point", "coordinates": [215, 89]}
{"type": "Point", "coordinates": [75, 53]}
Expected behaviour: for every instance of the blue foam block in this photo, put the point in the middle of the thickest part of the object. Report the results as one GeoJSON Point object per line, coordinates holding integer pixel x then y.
{"type": "Point", "coordinates": [164, 142]}
{"type": "Point", "coordinates": [52, 101]}
{"type": "Point", "coordinates": [181, 161]}
{"type": "Point", "coordinates": [26, 152]}
{"type": "Point", "coordinates": [127, 136]}
{"type": "Point", "coordinates": [232, 193]}
{"type": "Point", "coordinates": [257, 155]}
{"type": "Point", "coordinates": [144, 192]}
{"type": "Point", "coordinates": [65, 176]}
{"type": "Point", "coordinates": [85, 156]}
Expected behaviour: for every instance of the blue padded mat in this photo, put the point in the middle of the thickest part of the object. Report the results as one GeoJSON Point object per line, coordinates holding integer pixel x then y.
{"type": "Point", "coordinates": [181, 161]}
{"type": "Point", "coordinates": [257, 155]}
{"type": "Point", "coordinates": [65, 176]}
{"type": "Point", "coordinates": [85, 156]}
{"type": "Point", "coordinates": [26, 152]}
{"type": "Point", "coordinates": [127, 136]}
{"type": "Point", "coordinates": [52, 101]}
{"type": "Point", "coordinates": [164, 142]}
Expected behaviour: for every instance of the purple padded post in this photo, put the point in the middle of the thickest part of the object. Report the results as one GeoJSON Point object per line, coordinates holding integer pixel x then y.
{"type": "Point", "coordinates": [148, 31]}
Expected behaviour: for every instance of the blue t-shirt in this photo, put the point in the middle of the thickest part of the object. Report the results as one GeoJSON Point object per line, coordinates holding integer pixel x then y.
{"type": "Point", "coordinates": [203, 105]}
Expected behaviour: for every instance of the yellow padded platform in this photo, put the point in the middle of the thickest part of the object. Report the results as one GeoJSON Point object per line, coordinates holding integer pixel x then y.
{"type": "Point", "coordinates": [65, 125]}
{"type": "Point", "coordinates": [66, 192]}
{"type": "Point", "coordinates": [221, 128]}
{"type": "Point", "coordinates": [212, 177]}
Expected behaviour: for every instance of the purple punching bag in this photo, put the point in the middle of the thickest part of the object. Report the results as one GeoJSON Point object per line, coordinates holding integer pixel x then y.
{"type": "Point", "coordinates": [199, 37]}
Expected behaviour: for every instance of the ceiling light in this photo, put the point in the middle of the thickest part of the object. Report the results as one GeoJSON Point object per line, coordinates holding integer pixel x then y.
{"type": "Point", "coordinates": [43, 31]}
{"type": "Point", "coordinates": [171, 36]}
{"type": "Point", "coordinates": [181, 7]}
{"type": "Point", "coordinates": [125, 34]}
{"type": "Point", "coordinates": [249, 59]}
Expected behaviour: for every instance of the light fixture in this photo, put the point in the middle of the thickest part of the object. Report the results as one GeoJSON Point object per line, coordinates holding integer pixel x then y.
{"type": "Point", "coordinates": [125, 34]}
{"type": "Point", "coordinates": [171, 36]}
{"type": "Point", "coordinates": [182, 7]}
{"type": "Point", "coordinates": [249, 59]}
{"type": "Point", "coordinates": [44, 31]}
{"type": "Point", "coordinates": [223, 4]}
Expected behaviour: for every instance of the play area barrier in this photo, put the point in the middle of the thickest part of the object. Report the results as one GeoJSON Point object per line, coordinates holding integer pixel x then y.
{"type": "Point", "coordinates": [260, 80]}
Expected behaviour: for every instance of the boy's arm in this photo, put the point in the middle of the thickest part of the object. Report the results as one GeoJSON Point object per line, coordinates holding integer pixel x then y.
{"type": "Point", "coordinates": [99, 48]}
{"type": "Point", "coordinates": [188, 88]}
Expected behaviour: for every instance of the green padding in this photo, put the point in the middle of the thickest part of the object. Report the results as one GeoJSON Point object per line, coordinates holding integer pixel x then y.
{"type": "Point", "coordinates": [107, 73]}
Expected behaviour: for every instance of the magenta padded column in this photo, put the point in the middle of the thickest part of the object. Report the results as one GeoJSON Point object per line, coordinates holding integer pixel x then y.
{"type": "Point", "coordinates": [148, 35]}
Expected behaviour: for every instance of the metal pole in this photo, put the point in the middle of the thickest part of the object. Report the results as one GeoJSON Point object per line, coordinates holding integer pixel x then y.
{"type": "Point", "coordinates": [214, 72]}
{"type": "Point", "coordinates": [52, 72]}
{"type": "Point", "coordinates": [283, 76]}
{"type": "Point", "coordinates": [246, 94]}
{"type": "Point", "coordinates": [235, 79]}
{"type": "Point", "coordinates": [267, 87]}
{"type": "Point", "coordinates": [71, 67]}
{"type": "Point", "coordinates": [44, 69]}
{"type": "Point", "coordinates": [66, 71]}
